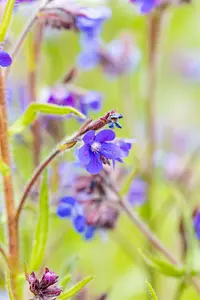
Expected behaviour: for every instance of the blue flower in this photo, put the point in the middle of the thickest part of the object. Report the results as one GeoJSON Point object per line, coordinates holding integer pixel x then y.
{"type": "Point", "coordinates": [138, 192]}
{"type": "Point", "coordinates": [196, 222]}
{"type": "Point", "coordinates": [97, 150]}
{"type": "Point", "coordinates": [145, 6]}
{"type": "Point", "coordinates": [65, 207]}
{"type": "Point", "coordinates": [90, 22]}
{"type": "Point", "coordinates": [5, 59]}
{"type": "Point", "coordinates": [125, 146]}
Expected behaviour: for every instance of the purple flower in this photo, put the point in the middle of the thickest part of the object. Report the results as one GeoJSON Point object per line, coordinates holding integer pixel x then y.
{"type": "Point", "coordinates": [196, 222]}
{"type": "Point", "coordinates": [145, 6]}
{"type": "Point", "coordinates": [44, 289]}
{"type": "Point", "coordinates": [5, 59]}
{"type": "Point", "coordinates": [97, 150]}
{"type": "Point", "coordinates": [125, 146]}
{"type": "Point", "coordinates": [85, 102]}
{"type": "Point", "coordinates": [137, 193]}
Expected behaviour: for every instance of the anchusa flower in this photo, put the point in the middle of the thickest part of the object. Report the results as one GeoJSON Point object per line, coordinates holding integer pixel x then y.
{"type": "Point", "coordinates": [145, 6]}
{"type": "Point", "coordinates": [44, 288]}
{"type": "Point", "coordinates": [119, 57]}
{"type": "Point", "coordinates": [125, 145]}
{"type": "Point", "coordinates": [89, 210]}
{"type": "Point", "coordinates": [82, 100]}
{"type": "Point", "coordinates": [137, 194]}
{"type": "Point", "coordinates": [98, 150]}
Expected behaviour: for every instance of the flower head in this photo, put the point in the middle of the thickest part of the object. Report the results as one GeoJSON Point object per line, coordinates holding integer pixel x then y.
{"type": "Point", "coordinates": [145, 6]}
{"type": "Point", "coordinates": [45, 288]}
{"type": "Point", "coordinates": [97, 150]}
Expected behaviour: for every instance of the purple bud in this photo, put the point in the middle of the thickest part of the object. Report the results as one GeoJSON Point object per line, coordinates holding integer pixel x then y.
{"type": "Point", "coordinates": [49, 278]}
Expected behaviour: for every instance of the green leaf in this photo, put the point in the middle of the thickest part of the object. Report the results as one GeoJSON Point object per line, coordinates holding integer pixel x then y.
{"type": "Point", "coordinates": [4, 169]}
{"type": "Point", "coordinates": [6, 19]}
{"type": "Point", "coordinates": [75, 289]}
{"type": "Point", "coordinates": [162, 266]}
{"type": "Point", "coordinates": [41, 231]}
{"type": "Point", "coordinates": [151, 292]}
{"type": "Point", "coordinates": [34, 108]}
{"type": "Point", "coordinates": [8, 285]}
{"type": "Point", "coordinates": [65, 281]}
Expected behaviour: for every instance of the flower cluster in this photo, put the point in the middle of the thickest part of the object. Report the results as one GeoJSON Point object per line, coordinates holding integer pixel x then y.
{"type": "Point", "coordinates": [83, 101]}
{"type": "Point", "coordinates": [45, 288]}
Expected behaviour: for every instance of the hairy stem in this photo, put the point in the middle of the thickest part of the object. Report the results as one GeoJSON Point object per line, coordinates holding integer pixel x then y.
{"type": "Point", "coordinates": [13, 258]}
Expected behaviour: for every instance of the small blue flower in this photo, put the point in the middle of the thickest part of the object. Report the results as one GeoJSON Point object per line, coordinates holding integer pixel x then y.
{"type": "Point", "coordinates": [138, 192]}
{"type": "Point", "coordinates": [125, 146]}
{"type": "Point", "coordinates": [98, 149]}
{"type": "Point", "coordinates": [145, 6]}
{"type": "Point", "coordinates": [196, 222]}
{"type": "Point", "coordinates": [89, 232]}
{"type": "Point", "coordinates": [79, 223]}
{"type": "Point", "coordinates": [65, 207]}
{"type": "Point", "coordinates": [5, 59]}
{"type": "Point", "coordinates": [90, 22]}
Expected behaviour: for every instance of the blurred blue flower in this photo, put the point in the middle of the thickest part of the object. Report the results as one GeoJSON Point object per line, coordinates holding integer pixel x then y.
{"type": "Point", "coordinates": [5, 59]}
{"type": "Point", "coordinates": [97, 150]}
{"type": "Point", "coordinates": [145, 6]}
{"type": "Point", "coordinates": [69, 207]}
{"type": "Point", "coordinates": [84, 102]}
{"type": "Point", "coordinates": [119, 57]}
{"type": "Point", "coordinates": [138, 192]}
{"type": "Point", "coordinates": [90, 23]}
{"type": "Point", "coordinates": [197, 224]}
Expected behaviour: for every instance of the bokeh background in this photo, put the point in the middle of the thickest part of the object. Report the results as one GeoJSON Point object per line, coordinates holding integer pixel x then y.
{"type": "Point", "coordinates": [114, 259]}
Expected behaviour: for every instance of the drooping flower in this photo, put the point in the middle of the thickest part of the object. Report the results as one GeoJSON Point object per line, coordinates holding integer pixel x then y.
{"type": "Point", "coordinates": [5, 59]}
{"type": "Point", "coordinates": [138, 192]}
{"type": "Point", "coordinates": [98, 149]}
{"type": "Point", "coordinates": [45, 288]}
{"type": "Point", "coordinates": [145, 6]}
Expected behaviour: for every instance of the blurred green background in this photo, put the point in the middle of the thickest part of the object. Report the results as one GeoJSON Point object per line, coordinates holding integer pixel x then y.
{"type": "Point", "coordinates": [115, 262]}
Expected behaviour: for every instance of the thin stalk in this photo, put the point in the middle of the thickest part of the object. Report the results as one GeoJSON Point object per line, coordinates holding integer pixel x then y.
{"type": "Point", "coordinates": [13, 258]}
{"type": "Point", "coordinates": [3, 253]}
{"type": "Point", "coordinates": [34, 43]}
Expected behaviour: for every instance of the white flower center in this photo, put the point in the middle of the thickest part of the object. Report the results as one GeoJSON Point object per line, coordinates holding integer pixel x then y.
{"type": "Point", "coordinates": [95, 147]}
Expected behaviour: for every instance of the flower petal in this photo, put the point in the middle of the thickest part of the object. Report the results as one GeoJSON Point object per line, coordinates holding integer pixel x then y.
{"type": "Point", "coordinates": [68, 200]}
{"type": "Point", "coordinates": [79, 223]}
{"type": "Point", "coordinates": [89, 233]}
{"type": "Point", "coordinates": [5, 59]}
{"type": "Point", "coordinates": [95, 165]}
{"type": "Point", "coordinates": [84, 154]}
{"type": "Point", "coordinates": [105, 136]}
{"type": "Point", "coordinates": [89, 137]}
{"type": "Point", "coordinates": [64, 210]}
{"type": "Point", "coordinates": [111, 151]}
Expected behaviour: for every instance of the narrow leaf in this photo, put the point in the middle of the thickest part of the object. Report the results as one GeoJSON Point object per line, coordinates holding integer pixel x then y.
{"type": "Point", "coordinates": [32, 111]}
{"type": "Point", "coordinates": [41, 232]}
{"type": "Point", "coordinates": [151, 292]}
{"type": "Point", "coordinates": [65, 281]}
{"type": "Point", "coordinates": [8, 285]}
{"type": "Point", "coordinates": [162, 266]}
{"type": "Point", "coordinates": [75, 289]}
{"type": "Point", "coordinates": [4, 169]}
{"type": "Point", "coordinates": [6, 19]}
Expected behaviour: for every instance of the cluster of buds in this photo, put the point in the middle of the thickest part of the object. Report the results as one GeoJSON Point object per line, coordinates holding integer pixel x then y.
{"type": "Point", "coordinates": [44, 288]}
